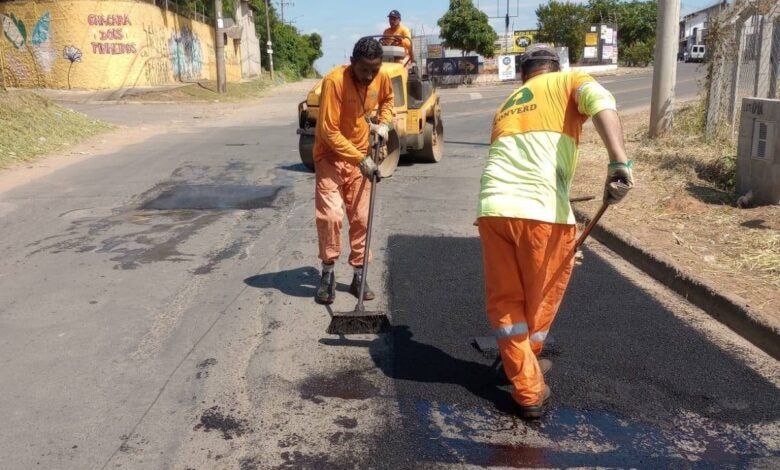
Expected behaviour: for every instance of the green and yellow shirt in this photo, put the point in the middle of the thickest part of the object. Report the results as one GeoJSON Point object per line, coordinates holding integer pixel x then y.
{"type": "Point", "coordinates": [533, 149]}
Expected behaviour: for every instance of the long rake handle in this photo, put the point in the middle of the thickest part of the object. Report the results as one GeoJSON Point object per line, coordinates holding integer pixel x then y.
{"type": "Point", "coordinates": [374, 149]}
{"type": "Point", "coordinates": [589, 227]}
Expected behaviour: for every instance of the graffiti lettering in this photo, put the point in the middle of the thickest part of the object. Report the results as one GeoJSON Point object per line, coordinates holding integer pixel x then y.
{"type": "Point", "coordinates": [109, 20]}
{"type": "Point", "coordinates": [113, 48]}
{"type": "Point", "coordinates": [157, 69]}
{"type": "Point", "coordinates": [112, 35]}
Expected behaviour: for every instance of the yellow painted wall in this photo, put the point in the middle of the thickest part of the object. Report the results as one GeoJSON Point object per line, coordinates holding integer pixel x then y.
{"type": "Point", "coordinates": [120, 44]}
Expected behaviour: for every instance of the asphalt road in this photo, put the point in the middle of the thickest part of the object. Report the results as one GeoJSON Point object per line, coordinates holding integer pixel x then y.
{"type": "Point", "coordinates": [156, 311]}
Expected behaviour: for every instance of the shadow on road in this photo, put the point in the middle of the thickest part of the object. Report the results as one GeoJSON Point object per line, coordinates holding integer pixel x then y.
{"type": "Point", "coordinates": [296, 167]}
{"type": "Point", "coordinates": [431, 365]}
{"type": "Point", "coordinates": [641, 380]}
{"type": "Point", "coordinates": [455, 142]}
{"type": "Point", "coordinates": [300, 282]}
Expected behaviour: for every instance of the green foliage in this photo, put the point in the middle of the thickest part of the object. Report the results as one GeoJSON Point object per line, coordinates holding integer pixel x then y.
{"type": "Point", "coordinates": [205, 7]}
{"type": "Point", "coordinates": [465, 27]}
{"type": "Point", "coordinates": [639, 54]}
{"type": "Point", "coordinates": [293, 52]}
{"type": "Point", "coordinates": [564, 24]}
{"type": "Point", "coordinates": [604, 11]}
{"type": "Point", "coordinates": [636, 20]}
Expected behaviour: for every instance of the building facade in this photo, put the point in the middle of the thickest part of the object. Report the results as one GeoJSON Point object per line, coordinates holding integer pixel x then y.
{"type": "Point", "coordinates": [93, 44]}
{"type": "Point", "coordinates": [694, 26]}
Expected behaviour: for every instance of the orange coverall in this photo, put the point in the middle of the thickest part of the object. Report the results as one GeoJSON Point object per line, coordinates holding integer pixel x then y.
{"type": "Point", "coordinates": [526, 223]}
{"type": "Point", "coordinates": [340, 142]}
{"type": "Point", "coordinates": [401, 30]}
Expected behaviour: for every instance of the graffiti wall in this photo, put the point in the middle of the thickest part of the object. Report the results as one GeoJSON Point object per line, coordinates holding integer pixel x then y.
{"type": "Point", "coordinates": [96, 44]}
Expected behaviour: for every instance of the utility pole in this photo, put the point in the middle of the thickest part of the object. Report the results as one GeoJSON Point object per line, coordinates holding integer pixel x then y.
{"type": "Point", "coordinates": [282, 3]}
{"type": "Point", "coordinates": [506, 27]}
{"type": "Point", "coordinates": [665, 69]}
{"type": "Point", "coordinates": [506, 20]}
{"type": "Point", "coordinates": [270, 49]}
{"type": "Point", "coordinates": [220, 47]}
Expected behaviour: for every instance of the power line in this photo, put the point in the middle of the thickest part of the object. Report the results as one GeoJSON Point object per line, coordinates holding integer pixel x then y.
{"type": "Point", "coordinates": [282, 4]}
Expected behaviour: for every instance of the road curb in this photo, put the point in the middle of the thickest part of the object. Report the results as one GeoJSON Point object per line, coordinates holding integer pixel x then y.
{"type": "Point", "coordinates": [730, 310]}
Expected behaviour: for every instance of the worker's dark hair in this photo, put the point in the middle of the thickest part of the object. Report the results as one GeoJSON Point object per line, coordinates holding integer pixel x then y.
{"type": "Point", "coordinates": [367, 48]}
{"type": "Point", "coordinates": [530, 66]}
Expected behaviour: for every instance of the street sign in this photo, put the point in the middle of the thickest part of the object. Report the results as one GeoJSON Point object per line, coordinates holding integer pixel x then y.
{"type": "Point", "coordinates": [506, 67]}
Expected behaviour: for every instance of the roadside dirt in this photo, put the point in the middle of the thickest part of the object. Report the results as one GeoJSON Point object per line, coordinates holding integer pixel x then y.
{"type": "Point", "coordinates": [677, 212]}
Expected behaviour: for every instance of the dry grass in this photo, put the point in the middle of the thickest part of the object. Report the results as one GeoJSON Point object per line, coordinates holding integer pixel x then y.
{"type": "Point", "coordinates": [683, 207]}
{"type": "Point", "coordinates": [207, 91]}
{"type": "Point", "coordinates": [33, 126]}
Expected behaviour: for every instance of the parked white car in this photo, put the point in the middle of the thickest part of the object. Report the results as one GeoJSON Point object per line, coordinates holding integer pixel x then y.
{"type": "Point", "coordinates": [697, 53]}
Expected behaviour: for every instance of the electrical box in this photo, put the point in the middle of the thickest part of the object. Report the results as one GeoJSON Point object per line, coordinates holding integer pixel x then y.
{"type": "Point", "coordinates": [758, 151]}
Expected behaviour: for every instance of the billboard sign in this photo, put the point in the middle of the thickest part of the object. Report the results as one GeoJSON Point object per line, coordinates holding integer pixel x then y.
{"type": "Point", "coordinates": [435, 51]}
{"type": "Point", "coordinates": [523, 39]}
{"type": "Point", "coordinates": [453, 66]}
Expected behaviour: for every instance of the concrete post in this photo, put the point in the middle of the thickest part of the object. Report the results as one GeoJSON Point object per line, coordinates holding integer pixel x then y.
{"type": "Point", "coordinates": [665, 70]}
{"type": "Point", "coordinates": [219, 47]}
{"type": "Point", "coordinates": [270, 49]}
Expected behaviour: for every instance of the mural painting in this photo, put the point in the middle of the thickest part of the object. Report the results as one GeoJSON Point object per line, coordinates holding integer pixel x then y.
{"type": "Point", "coordinates": [72, 54]}
{"type": "Point", "coordinates": [39, 45]}
{"type": "Point", "coordinates": [186, 55]}
{"type": "Point", "coordinates": [115, 44]}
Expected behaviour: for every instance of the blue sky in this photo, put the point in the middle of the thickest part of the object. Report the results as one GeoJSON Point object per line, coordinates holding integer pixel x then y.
{"type": "Point", "coordinates": [342, 22]}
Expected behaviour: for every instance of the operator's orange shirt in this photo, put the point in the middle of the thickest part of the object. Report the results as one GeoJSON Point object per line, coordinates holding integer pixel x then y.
{"type": "Point", "coordinates": [402, 30]}
{"type": "Point", "coordinates": [342, 130]}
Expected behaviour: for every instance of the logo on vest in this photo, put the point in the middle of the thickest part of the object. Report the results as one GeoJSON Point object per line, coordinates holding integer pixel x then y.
{"type": "Point", "coordinates": [519, 97]}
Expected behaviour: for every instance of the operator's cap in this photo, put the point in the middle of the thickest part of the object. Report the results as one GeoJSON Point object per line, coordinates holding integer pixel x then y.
{"type": "Point", "coordinates": [394, 14]}
{"type": "Point", "coordinates": [540, 51]}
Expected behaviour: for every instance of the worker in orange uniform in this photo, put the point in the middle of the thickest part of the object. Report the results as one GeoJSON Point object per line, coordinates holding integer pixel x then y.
{"type": "Point", "coordinates": [526, 224]}
{"type": "Point", "coordinates": [344, 172]}
{"type": "Point", "coordinates": [397, 29]}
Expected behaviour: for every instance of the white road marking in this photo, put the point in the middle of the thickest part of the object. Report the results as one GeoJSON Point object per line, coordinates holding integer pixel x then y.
{"type": "Point", "coordinates": [475, 96]}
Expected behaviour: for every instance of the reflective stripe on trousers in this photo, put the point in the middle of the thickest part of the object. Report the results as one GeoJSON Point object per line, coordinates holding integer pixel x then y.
{"type": "Point", "coordinates": [527, 268]}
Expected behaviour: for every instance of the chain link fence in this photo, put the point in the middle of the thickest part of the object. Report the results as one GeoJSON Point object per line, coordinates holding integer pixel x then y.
{"type": "Point", "coordinates": [744, 61]}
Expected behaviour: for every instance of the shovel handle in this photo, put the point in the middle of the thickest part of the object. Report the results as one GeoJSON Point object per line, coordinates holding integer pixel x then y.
{"type": "Point", "coordinates": [589, 227]}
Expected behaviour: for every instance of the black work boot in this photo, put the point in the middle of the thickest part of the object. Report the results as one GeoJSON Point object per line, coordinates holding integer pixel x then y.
{"type": "Point", "coordinates": [354, 288]}
{"type": "Point", "coordinates": [535, 411]}
{"type": "Point", "coordinates": [326, 292]}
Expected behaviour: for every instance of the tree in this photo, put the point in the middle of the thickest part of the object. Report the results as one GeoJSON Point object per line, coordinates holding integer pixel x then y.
{"type": "Point", "coordinates": [292, 51]}
{"type": "Point", "coordinates": [564, 24]}
{"type": "Point", "coordinates": [465, 27]}
{"type": "Point", "coordinates": [635, 20]}
{"type": "Point", "coordinates": [604, 11]}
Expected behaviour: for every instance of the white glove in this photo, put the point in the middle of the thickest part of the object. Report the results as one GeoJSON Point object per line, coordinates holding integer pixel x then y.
{"type": "Point", "coordinates": [620, 180]}
{"type": "Point", "coordinates": [380, 130]}
{"type": "Point", "coordinates": [369, 168]}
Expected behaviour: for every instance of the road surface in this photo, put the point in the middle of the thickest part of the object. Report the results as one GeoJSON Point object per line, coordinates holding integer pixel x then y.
{"type": "Point", "coordinates": [156, 311]}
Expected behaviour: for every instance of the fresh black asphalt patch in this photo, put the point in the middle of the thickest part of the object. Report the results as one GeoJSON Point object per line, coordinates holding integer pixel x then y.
{"type": "Point", "coordinates": [626, 370]}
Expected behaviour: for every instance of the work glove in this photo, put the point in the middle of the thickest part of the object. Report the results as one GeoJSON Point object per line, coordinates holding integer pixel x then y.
{"type": "Point", "coordinates": [369, 168]}
{"type": "Point", "coordinates": [380, 130]}
{"type": "Point", "coordinates": [619, 181]}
